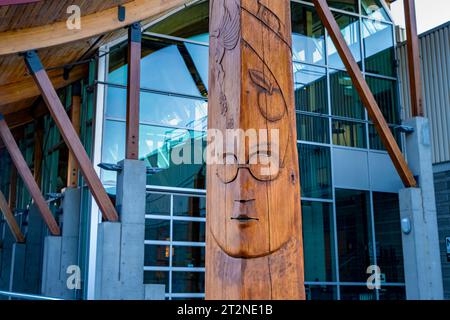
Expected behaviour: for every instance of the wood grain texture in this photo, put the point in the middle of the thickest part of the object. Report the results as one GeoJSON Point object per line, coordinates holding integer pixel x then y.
{"type": "Point", "coordinates": [365, 94]}
{"type": "Point", "coordinates": [74, 144]}
{"type": "Point", "coordinates": [412, 45]}
{"type": "Point", "coordinates": [27, 178]}
{"type": "Point", "coordinates": [72, 165]}
{"type": "Point", "coordinates": [10, 220]}
{"type": "Point", "coordinates": [254, 233]}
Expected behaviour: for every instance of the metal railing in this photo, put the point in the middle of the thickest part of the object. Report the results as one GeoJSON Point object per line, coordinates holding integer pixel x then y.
{"type": "Point", "coordinates": [26, 296]}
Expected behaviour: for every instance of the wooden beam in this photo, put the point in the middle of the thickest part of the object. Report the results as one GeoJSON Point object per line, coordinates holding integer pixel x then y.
{"type": "Point", "coordinates": [412, 45]}
{"type": "Point", "coordinates": [365, 93]}
{"type": "Point", "coordinates": [70, 136]}
{"type": "Point", "coordinates": [72, 169]}
{"type": "Point", "coordinates": [25, 116]}
{"type": "Point", "coordinates": [16, 2]}
{"type": "Point", "coordinates": [254, 244]}
{"type": "Point", "coordinates": [10, 220]}
{"type": "Point", "coordinates": [133, 92]}
{"type": "Point", "coordinates": [92, 25]}
{"type": "Point", "coordinates": [17, 91]}
{"type": "Point", "coordinates": [27, 177]}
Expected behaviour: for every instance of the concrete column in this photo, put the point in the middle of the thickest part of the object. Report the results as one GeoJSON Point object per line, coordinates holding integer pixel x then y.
{"type": "Point", "coordinates": [62, 252]}
{"type": "Point", "coordinates": [423, 273]}
{"type": "Point", "coordinates": [120, 259]}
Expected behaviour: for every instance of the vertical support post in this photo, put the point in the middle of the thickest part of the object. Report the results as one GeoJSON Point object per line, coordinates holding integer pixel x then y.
{"type": "Point", "coordinates": [365, 93]}
{"type": "Point", "coordinates": [72, 168]}
{"type": "Point", "coordinates": [13, 189]}
{"type": "Point", "coordinates": [69, 135]}
{"type": "Point", "coordinates": [27, 177]}
{"type": "Point", "coordinates": [254, 234]}
{"type": "Point", "coordinates": [412, 45]}
{"type": "Point", "coordinates": [38, 151]}
{"type": "Point", "coordinates": [10, 220]}
{"type": "Point", "coordinates": [133, 93]}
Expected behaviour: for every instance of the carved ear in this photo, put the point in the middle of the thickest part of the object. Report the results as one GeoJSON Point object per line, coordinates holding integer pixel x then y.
{"type": "Point", "coordinates": [258, 79]}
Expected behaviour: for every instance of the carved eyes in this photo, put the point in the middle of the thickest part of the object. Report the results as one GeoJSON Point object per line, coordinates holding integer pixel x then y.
{"type": "Point", "coordinates": [270, 98]}
{"type": "Point", "coordinates": [263, 166]}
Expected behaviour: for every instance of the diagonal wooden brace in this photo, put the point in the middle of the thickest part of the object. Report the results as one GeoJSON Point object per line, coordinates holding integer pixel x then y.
{"type": "Point", "coordinates": [27, 177]}
{"type": "Point", "coordinates": [9, 217]}
{"type": "Point", "coordinates": [70, 135]}
{"type": "Point", "coordinates": [365, 94]}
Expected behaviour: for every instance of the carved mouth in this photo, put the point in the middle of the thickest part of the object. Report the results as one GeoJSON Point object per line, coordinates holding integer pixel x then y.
{"type": "Point", "coordinates": [244, 218]}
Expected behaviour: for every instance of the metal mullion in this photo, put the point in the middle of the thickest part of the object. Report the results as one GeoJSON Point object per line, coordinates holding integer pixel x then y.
{"type": "Point", "coordinates": [171, 248]}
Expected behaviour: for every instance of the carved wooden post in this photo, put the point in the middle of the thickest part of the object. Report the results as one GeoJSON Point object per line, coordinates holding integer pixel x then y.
{"type": "Point", "coordinates": [254, 234]}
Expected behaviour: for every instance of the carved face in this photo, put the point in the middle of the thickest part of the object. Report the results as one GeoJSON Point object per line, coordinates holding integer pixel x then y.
{"type": "Point", "coordinates": [256, 220]}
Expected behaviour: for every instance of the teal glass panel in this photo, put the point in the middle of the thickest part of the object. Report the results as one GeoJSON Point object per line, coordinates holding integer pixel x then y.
{"type": "Point", "coordinates": [349, 134]}
{"type": "Point", "coordinates": [374, 9]}
{"type": "Point", "coordinates": [188, 282]}
{"type": "Point", "coordinates": [156, 229]}
{"type": "Point", "coordinates": [350, 30]}
{"type": "Point", "coordinates": [308, 35]}
{"type": "Point", "coordinates": [392, 293]}
{"type": "Point", "coordinates": [156, 256]}
{"type": "Point", "coordinates": [375, 140]}
{"type": "Point", "coordinates": [194, 207]}
{"type": "Point", "coordinates": [320, 292]}
{"type": "Point", "coordinates": [188, 257]}
{"type": "Point", "coordinates": [157, 204]}
{"type": "Point", "coordinates": [188, 231]}
{"type": "Point", "coordinates": [379, 52]}
{"type": "Point", "coordinates": [345, 101]}
{"type": "Point", "coordinates": [318, 241]}
{"type": "Point", "coordinates": [386, 95]}
{"type": "Point", "coordinates": [354, 235]}
{"type": "Point", "coordinates": [315, 171]}
{"type": "Point", "coordinates": [310, 88]}
{"type": "Point", "coordinates": [357, 293]}
{"type": "Point", "coordinates": [314, 129]}
{"type": "Point", "coordinates": [157, 277]}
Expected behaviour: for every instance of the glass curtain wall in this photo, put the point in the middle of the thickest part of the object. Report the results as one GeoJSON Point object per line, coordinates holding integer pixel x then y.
{"type": "Point", "coordinates": [174, 89]}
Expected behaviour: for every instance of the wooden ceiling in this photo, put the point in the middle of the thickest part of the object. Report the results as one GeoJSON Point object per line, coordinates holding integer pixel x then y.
{"type": "Point", "coordinates": [18, 93]}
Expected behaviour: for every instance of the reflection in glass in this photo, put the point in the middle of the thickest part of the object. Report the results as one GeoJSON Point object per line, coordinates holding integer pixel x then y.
{"type": "Point", "coordinates": [157, 256]}
{"type": "Point", "coordinates": [157, 204]}
{"type": "Point", "coordinates": [310, 88]}
{"type": "Point", "coordinates": [188, 231]}
{"type": "Point", "coordinates": [349, 134]}
{"type": "Point", "coordinates": [189, 206]}
{"type": "Point", "coordinates": [375, 140]}
{"type": "Point", "coordinates": [345, 101]}
{"type": "Point", "coordinates": [188, 257]}
{"type": "Point", "coordinates": [374, 9]}
{"type": "Point", "coordinates": [388, 236]}
{"type": "Point", "coordinates": [315, 171]}
{"type": "Point", "coordinates": [392, 293]}
{"type": "Point", "coordinates": [308, 35]}
{"type": "Point", "coordinates": [314, 129]}
{"type": "Point", "coordinates": [385, 93]}
{"type": "Point", "coordinates": [354, 235]}
{"type": "Point", "coordinates": [378, 47]}
{"type": "Point", "coordinates": [161, 109]}
{"type": "Point", "coordinates": [157, 277]}
{"type": "Point", "coordinates": [319, 292]}
{"type": "Point", "coordinates": [156, 229]}
{"type": "Point", "coordinates": [188, 282]}
{"type": "Point", "coordinates": [349, 26]}
{"type": "Point", "coordinates": [318, 241]}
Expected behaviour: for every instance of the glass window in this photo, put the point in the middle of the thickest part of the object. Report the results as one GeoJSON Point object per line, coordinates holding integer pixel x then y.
{"type": "Point", "coordinates": [157, 256]}
{"type": "Point", "coordinates": [188, 231]}
{"type": "Point", "coordinates": [189, 206]}
{"type": "Point", "coordinates": [354, 235]}
{"type": "Point", "coordinates": [347, 5]}
{"type": "Point", "coordinates": [188, 257]}
{"type": "Point", "coordinates": [345, 101]}
{"type": "Point", "coordinates": [157, 204]}
{"type": "Point", "coordinates": [157, 277]}
{"type": "Point", "coordinates": [388, 236]}
{"type": "Point", "coordinates": [349, 26]}
{"type": "Point", "coordinates": [156, 229]}
{"type": "Point", "coordinates": [308, 35]}
{"type": "Point", "coordinates": [358, 293]}
{"type": "Point", "coordinates": [318, 241]}
{"type": "Point", "coordinates": [385, 92]}
{"type": "Point", "coordinates": [310, 88]}
{"type": "Point", "coordinates": [319, 292]}
{"type": "Point", "coordinates": [349, 134]}
{"type": "Point", "coordinates": [314, 129]}
{"type": "Point", "coordinates": [188, 282]}
{"type": "Point", "coordinates": [375, 140]}
{"type": "Point", "coordinates": [379, 52]}
{"type": "Point", "coordinates": [392, 293]}
{"type": "Point", "coordinates": [374, 9]}
{"type": "Point", "coordinates": [315, 171]}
